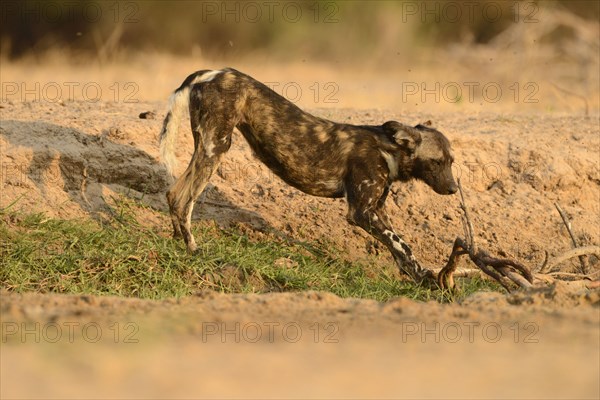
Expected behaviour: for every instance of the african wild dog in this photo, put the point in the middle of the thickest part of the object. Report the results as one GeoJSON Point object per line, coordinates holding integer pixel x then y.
{"type": "Point", "coordinates": [317, 156]}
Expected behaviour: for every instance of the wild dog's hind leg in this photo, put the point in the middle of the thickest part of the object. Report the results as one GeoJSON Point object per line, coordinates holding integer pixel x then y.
{"type": "Point", "coordinates": [185, 191]}
{"type": "Point", "coordinates": [366, 195]}
{"type": "Point", "coordinates": [179, 186]}
{"type": "Point", "coordinates": [212, 138]}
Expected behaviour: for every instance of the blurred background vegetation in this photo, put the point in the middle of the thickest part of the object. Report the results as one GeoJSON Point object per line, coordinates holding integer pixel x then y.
{"type": "Point", "coordinates": [321, 30]}
{"type": "Point", "coordinates": [544, 51]}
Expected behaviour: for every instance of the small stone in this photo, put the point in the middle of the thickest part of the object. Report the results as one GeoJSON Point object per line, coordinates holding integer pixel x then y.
{"type": "Point", "coordinates": [147, 115]}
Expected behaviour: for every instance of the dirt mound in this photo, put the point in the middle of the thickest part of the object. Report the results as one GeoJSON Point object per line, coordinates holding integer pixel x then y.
{"type": "Point", "coordinates": [510, 167]}
{"type": "Point", "coordinates": [63, 170]}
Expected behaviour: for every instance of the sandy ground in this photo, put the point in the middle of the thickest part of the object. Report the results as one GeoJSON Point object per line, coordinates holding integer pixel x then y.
{"type": "Point", "coordinates": [515, 159]}
{"type": "Point", "coordinates": [542, 344]}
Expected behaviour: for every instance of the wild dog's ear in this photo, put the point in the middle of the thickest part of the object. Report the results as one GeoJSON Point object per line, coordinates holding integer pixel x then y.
{"type": "Point", "coordinates": [405, 136]}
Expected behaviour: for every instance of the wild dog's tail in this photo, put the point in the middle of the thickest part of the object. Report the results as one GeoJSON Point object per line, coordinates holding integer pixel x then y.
{"type": "Point", "coordinates": [179, 103]}
{"type": "Point", "coordinates": [179, 107]}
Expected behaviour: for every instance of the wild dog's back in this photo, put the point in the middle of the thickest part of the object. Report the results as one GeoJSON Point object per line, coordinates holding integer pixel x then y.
{"type": "Point", "coordinates": [306, 151]}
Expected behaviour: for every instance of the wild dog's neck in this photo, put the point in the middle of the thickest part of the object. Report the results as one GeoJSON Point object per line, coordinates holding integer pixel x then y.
{"type": "Point", "coordinates": [406, 165]}
{"type": "Point", "coordinates": [400, 165]}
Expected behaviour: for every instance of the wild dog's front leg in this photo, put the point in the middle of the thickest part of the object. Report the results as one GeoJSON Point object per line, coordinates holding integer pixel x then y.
{"type": "Point", "coordinates": [366, 193]}
{"type": "Point", "coordinates": [375, 222]}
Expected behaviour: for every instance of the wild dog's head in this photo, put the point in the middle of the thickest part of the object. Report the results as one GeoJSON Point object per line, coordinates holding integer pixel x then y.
{"type": "Point", "coordinates": [430, 153]}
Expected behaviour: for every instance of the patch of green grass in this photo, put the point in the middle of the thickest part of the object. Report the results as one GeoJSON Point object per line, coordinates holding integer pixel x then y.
{"type": "Point", "coordinates": [118, 255]}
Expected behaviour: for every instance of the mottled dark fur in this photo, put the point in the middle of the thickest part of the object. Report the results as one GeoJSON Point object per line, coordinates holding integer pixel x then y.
{"type": "Point", "coordinates": [317, 156]}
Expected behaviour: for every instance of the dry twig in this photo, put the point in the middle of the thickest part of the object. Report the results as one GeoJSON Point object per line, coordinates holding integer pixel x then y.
{"type": "Point", "coordinates": [576, 252]}
{"type": "Point", "coordinates": [571, 277]}
{"type": "Point", "coordinates": [582, 259]}
{"type": "Point", "coordinates": [506, 271]}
